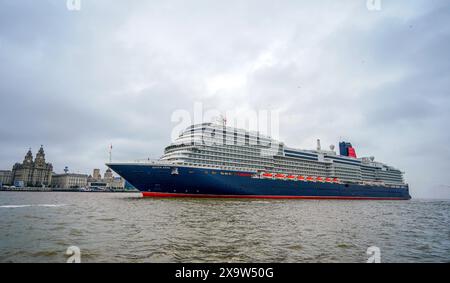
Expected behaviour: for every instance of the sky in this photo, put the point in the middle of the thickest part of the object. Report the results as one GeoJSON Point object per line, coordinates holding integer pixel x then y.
{"type": "Point", "coordinates": [114, 72]}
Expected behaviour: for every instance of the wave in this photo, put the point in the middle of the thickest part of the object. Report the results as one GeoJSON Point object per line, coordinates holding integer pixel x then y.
{"type": "Point", "coordinates": [31, 205]}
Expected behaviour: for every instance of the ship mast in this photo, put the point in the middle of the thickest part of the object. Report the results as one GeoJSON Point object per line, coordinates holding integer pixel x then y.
{"type": "Point", "coordinates": [110, 153]}
{"type": "Point", "coordinates": [221, 119]}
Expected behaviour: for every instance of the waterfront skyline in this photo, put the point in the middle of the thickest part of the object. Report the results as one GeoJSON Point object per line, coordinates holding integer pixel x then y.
{"type": "Point", "coordinates": [77, 81]}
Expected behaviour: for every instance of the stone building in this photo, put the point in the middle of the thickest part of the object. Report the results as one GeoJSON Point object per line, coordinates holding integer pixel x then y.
{"type": "Point", "coordinates": [31, 173]}
{"type": "Point", "coordinates": [107, 182]}
{"type": "Point", "coordinates": [117, 183]}
{"type": "Point", "coordinates": [108, 176]}
{"type": "Point", "coordinates": [69, 181]}
{"type": "Point", "coordinates": [96, 175]}
{"type": "Point", "coordinates": [5, 177]}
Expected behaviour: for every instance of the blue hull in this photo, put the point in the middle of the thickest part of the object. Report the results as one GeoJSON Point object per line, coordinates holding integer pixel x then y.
{"type": "Point", "coordinates": [159, 181]}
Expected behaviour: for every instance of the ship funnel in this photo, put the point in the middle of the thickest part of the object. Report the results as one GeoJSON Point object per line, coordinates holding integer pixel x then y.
{"type": "Point", "coordinates": [346, 149]}
{"type": "Point", "coordinates": [318, 144]}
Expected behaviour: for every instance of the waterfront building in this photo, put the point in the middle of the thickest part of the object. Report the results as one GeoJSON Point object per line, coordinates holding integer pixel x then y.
{"type": "Point", "coordinates": [108, 175]}
{"type": "Point", "coordinates": [116, 183]}
{"type": "Point", "coordinates": [107, 182]}
{"type": "Point", "coordinates": [5, 177]}
{"type": "Point", "coordinates": [99, 185]}
{"type": "Point", "coordinates": [69, 181]}
{"type": "Point", "coordinates": [32, 172]}
{"type": "Point", "coordinates": [96, 174]}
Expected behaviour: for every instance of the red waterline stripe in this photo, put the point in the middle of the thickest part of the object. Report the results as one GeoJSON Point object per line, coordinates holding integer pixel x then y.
{"type": "Point", "coordinates": [181, 195]}
{"type": "Point", "coordinates": [244, 174]}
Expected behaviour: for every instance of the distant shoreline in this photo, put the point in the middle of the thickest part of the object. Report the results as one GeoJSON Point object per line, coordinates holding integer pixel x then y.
{"type": "Point", "coordinates": [30, 189]}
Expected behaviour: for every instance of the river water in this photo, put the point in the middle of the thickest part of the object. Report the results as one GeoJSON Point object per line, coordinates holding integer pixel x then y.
{"type": "Point", "coordinates": [121, 227]}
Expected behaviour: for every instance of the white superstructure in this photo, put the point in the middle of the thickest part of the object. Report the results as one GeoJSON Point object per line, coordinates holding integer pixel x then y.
{"type": "Point", "coordinates": [218, 146]}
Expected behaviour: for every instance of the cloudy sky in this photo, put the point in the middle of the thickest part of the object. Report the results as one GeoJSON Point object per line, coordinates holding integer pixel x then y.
{"type": "Point", "coordinates": [115, 72]}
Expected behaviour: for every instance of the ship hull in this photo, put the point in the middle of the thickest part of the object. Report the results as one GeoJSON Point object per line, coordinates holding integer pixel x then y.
{"type": "Point", "coordinates": [162, 181]}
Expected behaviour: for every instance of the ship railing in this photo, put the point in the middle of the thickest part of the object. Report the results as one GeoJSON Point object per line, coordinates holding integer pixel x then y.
{"type": "Point", "coordinates": [152, 161]}
{"type": "Point", "coordinates": [206, 166]}
{"type": "Point", "coordinates": [382, 184]}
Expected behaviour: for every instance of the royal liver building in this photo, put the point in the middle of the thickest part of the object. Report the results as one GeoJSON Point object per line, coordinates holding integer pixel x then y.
{"type": "Point", "coordinates": [35, 173]}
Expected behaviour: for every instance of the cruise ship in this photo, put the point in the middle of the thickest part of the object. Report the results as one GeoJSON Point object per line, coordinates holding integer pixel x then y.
{"type": "Point", "coordinates": [217, 161]}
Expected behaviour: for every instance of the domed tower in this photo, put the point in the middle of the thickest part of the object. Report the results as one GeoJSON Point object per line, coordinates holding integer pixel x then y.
{"type": "Point", "coordinates": [28, 157]}
{"type": "Point", "coordinates": [22, 173]}
{"type": "Point", "coordinates": [42, 172]}
{"type": "Point", "coordinates": [108, 174]}
{"type": "Point", "coordinates": [40, 157]}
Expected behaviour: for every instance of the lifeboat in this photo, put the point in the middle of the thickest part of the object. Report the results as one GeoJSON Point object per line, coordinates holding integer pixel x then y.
{"type": "Point", "coordinates": [280, 176]}
{"type": "Point", "coordinates": [335, 180]}
{"type": "Point", "coordinates": [301, 178]}
{"type": "Point", "coordinates": [328, 180]}
{"type": "Point", "coordinates": [267, 175]}
{"type": "Point", "coordinates": [291, 177]}
{"type": "Point", "coordinates": [309, 179]}
{"type": "Point", "coordinates": [319, 179]}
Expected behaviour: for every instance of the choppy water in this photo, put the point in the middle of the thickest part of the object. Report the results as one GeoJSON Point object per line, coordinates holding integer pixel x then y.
{"type": "Point", "coordinates": [107, 227]}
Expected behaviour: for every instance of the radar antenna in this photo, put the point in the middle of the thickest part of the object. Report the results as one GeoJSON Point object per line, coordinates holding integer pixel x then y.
{"type": "Point", "coordinates": [221, 119]}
